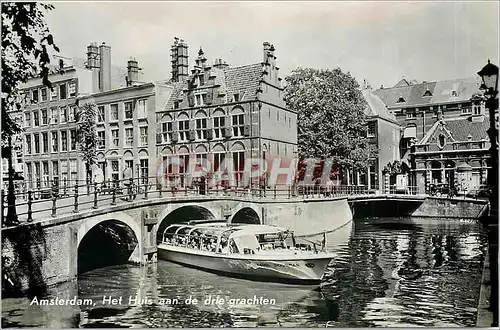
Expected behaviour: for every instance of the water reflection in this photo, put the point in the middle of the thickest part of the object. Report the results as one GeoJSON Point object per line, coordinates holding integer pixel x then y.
{"type": "Point", "coordinates": [392, 272]}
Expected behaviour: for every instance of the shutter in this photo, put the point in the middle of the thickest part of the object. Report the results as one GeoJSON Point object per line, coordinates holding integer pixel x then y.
{"type": "Point", "coordinates": [175, 131]}
{"type": "Point", "coordinates": [158, 138]}
{"type": "Point", "coordinates": [209, 130]}
{"type": "Point", "coordinates": [228, 130]}
{"type": "Point", "coordinates": [209, 97]}
{"type": "Point", "coordinates": [191, 100]}
{"type": "Point", "coordinates": [192, 135]}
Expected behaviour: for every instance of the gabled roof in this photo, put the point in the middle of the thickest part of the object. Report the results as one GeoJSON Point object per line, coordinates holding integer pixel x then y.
{"type": "Point", "coordinates": [460, 129]}
{"type": "Point", "coordinates": [442, 92]}
{"type": "Point", "coordinates": [243, 79]}
{"type": "Point", "coordinates": [375, 106]}
{"type": "Point", "coordinates": [412, 94]}
{"type": "Point", "coordinates": [465, 88]}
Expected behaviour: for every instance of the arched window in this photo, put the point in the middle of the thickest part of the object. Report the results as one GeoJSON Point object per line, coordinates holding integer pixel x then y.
{"type": "Point", "coordinates": [441, 141]}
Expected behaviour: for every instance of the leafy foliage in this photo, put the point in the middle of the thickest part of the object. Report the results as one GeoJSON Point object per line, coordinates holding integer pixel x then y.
{"type": "Point", "coordinates": [26, 42]}
{"type": "Point", "coordinates": [87, 134]}
{"type": "Point", "coordinates": [331, 119]}
{"type": "Point", "coordinates": [396, 167]}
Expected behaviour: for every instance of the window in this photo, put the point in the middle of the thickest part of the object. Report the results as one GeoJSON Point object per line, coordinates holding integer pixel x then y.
{"type": "Point", "coordinates": [219, 125]}
{"type": "Point", "coordinates": [55, 171]}
{"type": "Point", "coordinates": [62, 91]}
{"type": "Point", "coordinates": [64, 172]}
{"type": "Point", "coordinates": [239, 164]}
{"type": "Point", "coordinates": [143, 168]}
{"type": "Point", "coordinates": [37, 174]}
{"type": "Point", "coordinates": [411, 115]}
{"type": "Point", "coordinates": [72, 89]}
{"type": "Point", "coordinates": [238, 125]}
{"type": "Point", "coordinates": [100, 114]}
{"type": "Point", "coordinates": [166, 129]}
{"type": "Point", "coordinates": [73, 139]}
{"type": "Point", "coordinates": [45, 142]}
{"type": "Point", "coordinates": [199, 100]}
{"type": "Point", "coordinates": [27, 119]}
{"type": "Point", "coordinates": [44, 94]}
{"type": "Point", "coordinates": [37, 143]}
{"type": "Point", "coordinates": [34, 96]}
{"type": "Point", "coordinates": [101, 140]}
{"type": "Point", "coordinates": [476, 108]}
{"type": "Point", "coordinates": [236, 97]}
{"type": "Point", "coordinates": [141, 109]}
{"type": "Point", "coordinates": [64, 114]}
{"type": "Point", "coordinates": [218, 160]}
{"type": "Point", "coordinates": [401, 100]}
{"type": "Point", "coordinates": [129, 137]}
{"type": "Point", "coordinates": [45, 175]}
{"type": "Point", "coordinates": [183, 130]}
{"type": "Point", "coordinates": [129, 110]}
{"type": "Point", "coordinates": [54, 115]}
{"type": "Point", "coordinates": [466, 110]}
{"type": "Point", "coordinates": [53, 93]}
{"type": "Point", "coordinates": [277, 115]}
{"type": "Point", "coordinates": [114, 112]}
{"type": "Point", "coordinates": [72, 170]}
{"type": "Point", "coordinates": [36, 118]}
{"type": "Point", "coordinates": [371, 129]}
{"type": "Point", "coordinates": [176, 104]}
{"type": "Point", "coordinates": [55, 140]}
{"type": "Point", "coordinates": [116, 138]}
{"type": "Point", "coordinates": [143, 133]}
{"type": "Point", "coordinates": [28, 144]}
{"type": "Point", "coordinates": [29, 173]}
{"type": "Point", "coordinates": [130, 164]}
{"type": "Point", "coordinates": [441, 141]}
{"type": "Point", "coordinates": [45, 120]}
{"type": "Point", "coordinates": [72, 113]}
{"type": "Point", "coordinates": [454, 93]}
{"type": "Point", "coordinates": [201, 79]}
{"type": "Point", "coordinates": [115, 170]}
{"type": "Point", "coordinates": [201, 128]}
{"type": "Point", "coordinates": [427, 93]}
{"type": "Point", "coordinates": [64, 141]}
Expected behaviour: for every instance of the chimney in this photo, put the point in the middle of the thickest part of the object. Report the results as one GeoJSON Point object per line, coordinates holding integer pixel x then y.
{"type": "Point", "coordinates": [269, 57]}
{"type": "Point", "coordinates": [132, 71]}
{"type": "Point", "coordinates": [94, 63]}
{"type": "Point", "coordinates": [220, 64]}
{"type": "Point", "coordinates": [179, 59]}
{"type": "Point", "coordinates": [105, 67]}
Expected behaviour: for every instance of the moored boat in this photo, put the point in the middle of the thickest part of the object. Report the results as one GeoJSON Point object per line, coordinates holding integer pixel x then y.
{"type": "Point", "coordinates": [258, 252]}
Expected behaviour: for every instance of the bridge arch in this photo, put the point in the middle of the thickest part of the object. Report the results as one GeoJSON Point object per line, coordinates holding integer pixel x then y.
{"type": "Point", "coordinates": [247, 214]}
{"type": "Point", "coordinates": [117, 233]}
{"type": "Point", "coordinates": [181, 213]}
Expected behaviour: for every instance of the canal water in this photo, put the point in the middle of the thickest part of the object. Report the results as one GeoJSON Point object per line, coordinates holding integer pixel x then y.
{"type": "Point", "coordinates": [390, 272]}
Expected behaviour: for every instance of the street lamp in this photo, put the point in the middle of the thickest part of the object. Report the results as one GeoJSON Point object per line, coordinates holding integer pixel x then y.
{"type": "Point", "coordinates": [489, 75]}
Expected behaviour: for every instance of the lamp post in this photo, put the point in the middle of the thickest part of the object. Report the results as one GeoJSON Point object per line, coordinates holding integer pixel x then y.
{"type": "Point", "coordinates": [11, 197]}
{"type": "Point", "coordinates": [489, 75]}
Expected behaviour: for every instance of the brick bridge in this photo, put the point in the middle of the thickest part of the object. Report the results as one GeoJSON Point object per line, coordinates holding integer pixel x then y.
{"type": "Point", "coordinates": [62, 237]}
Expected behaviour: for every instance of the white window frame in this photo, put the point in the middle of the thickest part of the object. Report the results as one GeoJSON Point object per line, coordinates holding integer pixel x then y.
{"type": "Point", "coordinates": [183, 130]}
{"type": "Point", "coordinates": [166, 131]}
{"type": "Point", "coordinates": [143, 138]}
{"type": "Point", "coordinates": [111, 112]}
{"type": "Point", "coordinates": [115, 139]}
{"type": "Point", "coordinates": [142, 108]}
{"type": "Point", "coordinates": [201, 128]}
{"type": "Point", "coordinates": [101, 142]}
{"type": "Point", "coordinates": [129, 139]}
{"type": "Point", "coordinates": [219, 124]}
{"type": "Point", "coordinates": [238, 124]}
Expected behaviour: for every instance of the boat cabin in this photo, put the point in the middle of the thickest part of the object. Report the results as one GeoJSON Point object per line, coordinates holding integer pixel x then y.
{"type": "Point", "coordinates": [225, 238]}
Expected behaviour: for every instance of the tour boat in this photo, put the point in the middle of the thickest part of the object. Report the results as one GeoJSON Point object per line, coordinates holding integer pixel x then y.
{"type": "Point", "coordinates": [257, 252]}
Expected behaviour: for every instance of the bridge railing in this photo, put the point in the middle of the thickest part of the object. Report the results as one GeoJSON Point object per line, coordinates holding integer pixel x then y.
{"type": "Point", "coordinates": [61, 198]}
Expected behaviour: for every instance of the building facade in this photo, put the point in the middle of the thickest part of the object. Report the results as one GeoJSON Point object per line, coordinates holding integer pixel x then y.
{"type": "Point", "coordinates": [444, 126]}
{"type": "Point", "coordinates": [225, 115]}
{"type": "Point", "coordinates": [50, 150]}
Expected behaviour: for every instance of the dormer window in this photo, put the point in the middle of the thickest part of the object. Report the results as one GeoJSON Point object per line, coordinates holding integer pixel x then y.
{"type": "Point", "coordinates": [454, 93]}
{"type": "Point", "coordinates": [411, 115]}
{"type": "Point", "coordinates": [199, 100]}
{"type": "Point", "coordinates": [176, 104]}
{"type": "Point", "coordinates": [441, 141]}
{"type": "Point", "coordinates": [401, 100]}
{"type": "Point", "coordinates": [236, 97]}
{"type": "Point", "coordinates": [427, 93]}
{"type": "Point", "coordinates": [476, 108]}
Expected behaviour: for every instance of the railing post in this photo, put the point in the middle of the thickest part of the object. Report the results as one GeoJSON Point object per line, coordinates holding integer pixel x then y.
{"type": "Point", "coordinates": [274, 191]}
{"type": "Point", "coordinates": [30, 202]}
{"type": "Point", "coordinates": [113, 200]}
{"type": "Point", "coordinates": [289, 192]}
{"type": "Point", "coordinates": [76, 198]}
{"type": "Point", "coordinates": [95, 195]}
{"type": "Point", "coordinates": [159, 185]}
{"type": "Point", "coordinates": [146, 186]}
{"type": "Point", "coordinates": [54, 207]}
{"type": "Point", "coordinates": [3, 203]}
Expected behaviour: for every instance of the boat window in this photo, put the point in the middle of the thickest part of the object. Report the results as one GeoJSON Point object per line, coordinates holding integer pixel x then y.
{"type": "Point", "coordinates": [233, 248]}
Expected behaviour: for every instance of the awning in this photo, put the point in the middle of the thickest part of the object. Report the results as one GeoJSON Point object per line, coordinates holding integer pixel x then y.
{"type": "Point", "coordinates": [410, 132]}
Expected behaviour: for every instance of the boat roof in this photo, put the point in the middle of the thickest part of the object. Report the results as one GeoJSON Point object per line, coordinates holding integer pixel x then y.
{"type": "Point", "coordinates": [235, 230]}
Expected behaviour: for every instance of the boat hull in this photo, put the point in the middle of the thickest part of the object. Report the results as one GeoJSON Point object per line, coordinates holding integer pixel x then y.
{"type": "Point", "coordinates": [298, 270]}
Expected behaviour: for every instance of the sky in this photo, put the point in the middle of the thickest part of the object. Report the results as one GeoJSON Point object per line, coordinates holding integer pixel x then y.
{"type": "Point", "coordinates": [381, 42]}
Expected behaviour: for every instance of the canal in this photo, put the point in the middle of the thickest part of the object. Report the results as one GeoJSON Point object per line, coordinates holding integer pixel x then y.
{"type": "Point", "coordinates": [391, 272]}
